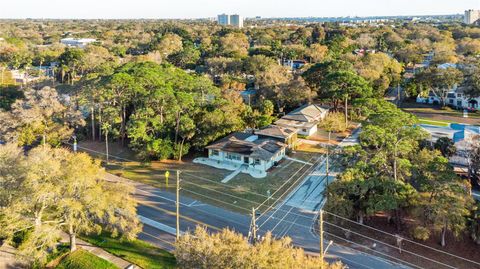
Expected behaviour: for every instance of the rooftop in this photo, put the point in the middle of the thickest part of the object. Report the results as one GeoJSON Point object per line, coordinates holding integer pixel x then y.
{"type": "Point", "coordinates": [295, 123]}
{"type": "Point", "coordinates": [276, 131]}
{"type": "Point", "coordinates": [306, 113]}
{"type": "Point", "coordinates": [248, 144]}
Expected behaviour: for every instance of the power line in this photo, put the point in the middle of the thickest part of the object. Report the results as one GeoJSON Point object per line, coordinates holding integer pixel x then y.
{"type": "Point", "coordinates": [375, 251]}
{"type": "Point", "coordinates": [233, 187]}
{"type": "Point", "coordinates": [221, 184]}
{"type": "Point", "coordinates": [278, 207]}
{"type": "Point", "coordinates": [237, 197]}
{"type": "Point", "coordinates": [163, 240]}
{"type": "Point", "coordinates": [202, 178]}
{"type": "Point", "coordinates": [405, 239]}
{"type": "Point", "coordinates": [239, 207]}
{"type": "Point", "coordinates": [211, 189]}
{"type": "Point", "coordinates": [286, 192]}
{"type": "Point", "coordinates": [186, 173]}
{"type": "Point", "coordinates": [199, 177]}
{"type": "Point", "coordinates": [297, 224]}
{"type": "Point", "coordinates": [386, 244]}
{"type": "Point", "coordinates": [281, 220]}
{"type": "Point", "coordinates": [290, 178]}
{"type": "Point", "coordinates": [197, 209]}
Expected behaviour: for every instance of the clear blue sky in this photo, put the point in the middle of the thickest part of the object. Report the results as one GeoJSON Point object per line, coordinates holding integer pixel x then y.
{"type": "Point", "coordinates": [210, 8]}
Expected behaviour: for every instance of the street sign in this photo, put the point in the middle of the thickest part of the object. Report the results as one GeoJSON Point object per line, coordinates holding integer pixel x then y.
{"type": "Point", "coordinates": [167, 174]}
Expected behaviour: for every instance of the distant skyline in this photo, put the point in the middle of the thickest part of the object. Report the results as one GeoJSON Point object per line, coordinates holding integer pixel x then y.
{"type": "Point", "coordinates": [185, 9]}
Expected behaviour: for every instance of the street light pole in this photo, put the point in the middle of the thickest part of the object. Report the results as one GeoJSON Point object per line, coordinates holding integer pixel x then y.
{"type": "Point", "coordinates": [74, 143]}
{"type": "Point", "coordinates": [178, 206]}
{"type": "Point", "coordinates": [328, 156]}
{"type": "Point", "coordinates": [254, 225]}
{"type": "Point", "coordinates": [326, 249]}
{"type": "Point", "coordinates": [321, 236]}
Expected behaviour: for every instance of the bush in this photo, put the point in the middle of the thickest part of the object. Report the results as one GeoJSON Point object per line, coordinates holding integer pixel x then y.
{"type": "Point", "coordinates": [19, 237]}
{"type": "Point", "coordinates": [421, 233]}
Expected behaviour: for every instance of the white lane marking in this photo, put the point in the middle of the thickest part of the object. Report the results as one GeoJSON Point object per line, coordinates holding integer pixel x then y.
{"type": "Point", "coordinates": [159, 196]}
{"type": "Point", "coordinates": [158, 225]}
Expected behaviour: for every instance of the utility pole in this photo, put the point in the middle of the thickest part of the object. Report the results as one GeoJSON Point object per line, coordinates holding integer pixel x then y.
{"type": "Point", "coordinates": [328, 156]}
{"type": "Point", "coordinates": [106, 144]}
{"type": "Point", "coordinates": [106, 127]}
{"type": "Point", "coordinates": [321, 235]}
{"type": "Point", "coordinates": [178, 205]}
{"type": "Point", "coordinates": [74, 143]}
{"type": "Point", "coordinates": [254, 225]}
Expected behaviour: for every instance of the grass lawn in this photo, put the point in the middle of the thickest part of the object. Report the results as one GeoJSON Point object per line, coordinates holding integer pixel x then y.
{"type": "Point", "coordinates": [435, 113]}
{"type": "Point", "coordinates": [435, 123]}
{"type": "Point", "coordinates": [448, 111]}
{"type": "Point", "coordinates": [138, 252]}
{"type": "Point", "coordinates": [81, 259]}
{"type": "Point", "coordinates": [311, 148]}
{"type": "Point", "coordinates": [202, 182]}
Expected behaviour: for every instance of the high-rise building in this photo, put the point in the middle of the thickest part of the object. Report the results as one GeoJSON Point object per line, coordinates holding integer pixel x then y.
{"type": "Point", "coordinates": [236, 21]}
{"type": "Point", "coordinates": [223, 19]}
{"type": "Point", "coordinates": [233, 20]}
{"type": "Point", "coordinates": [472, 16]}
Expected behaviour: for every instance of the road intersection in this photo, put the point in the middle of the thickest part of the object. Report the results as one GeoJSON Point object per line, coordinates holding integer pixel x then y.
{"type": "Point", "coordinates": [294, 215]}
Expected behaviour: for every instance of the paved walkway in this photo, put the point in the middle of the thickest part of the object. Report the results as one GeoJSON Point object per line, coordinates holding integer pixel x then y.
{"type": "Point", "coordinates": [232, 175]}
{"type": "Point", "coordinates": [7, 258]}
{"type": "Point", "coordinates": [119, 262]}
{"type": "Point", "coordinates": [297, 160]}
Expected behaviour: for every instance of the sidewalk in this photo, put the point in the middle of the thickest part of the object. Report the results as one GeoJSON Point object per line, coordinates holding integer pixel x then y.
{"type": "Point", "coordinates": [119, 262]}
{"type": "Point", "coordinates": [8, 259]}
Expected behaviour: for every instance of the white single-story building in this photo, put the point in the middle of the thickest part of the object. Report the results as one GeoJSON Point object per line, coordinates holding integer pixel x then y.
{"type": "Point", "coordinates": [77, 42]}
{"type": "Point", "coordinates": [304, 119]}
{"type": "Point", "coordinates": [455, 98]}
{"type": "Point", "coordinates": [458, 99]}
{"type": "Point", "coordinates": [248, 151]}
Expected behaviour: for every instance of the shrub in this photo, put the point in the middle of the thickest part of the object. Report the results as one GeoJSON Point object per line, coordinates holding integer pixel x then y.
{"type": "Point", "coordinates": [421, 233]}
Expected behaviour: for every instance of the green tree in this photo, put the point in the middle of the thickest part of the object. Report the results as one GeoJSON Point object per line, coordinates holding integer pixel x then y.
{"type": "Point", "coordinates": [70, 63]}
{"type": "Point", "coordinates": [227, 249]}
{"type": "Point", "coordinates": [441, 80]}
{"type": "Point", "coordinates": [444, 203]}
{"type": "Point", "coordinates": [317, 73]}
{"type": "Point", "coordinates": [187, 58]}
{"type": "Point", "coordinates": [41, 116]}
{"type": "Point", "coordinates": [345, 85]}
{"type": "Point", "coordinates": [54, 190]}
{"type": "Point", "coordinates": [446, 146]}
{"type": "Point", "coordinates": [234, 45]}
{"type": "Point", "coordinates": [169, 44]}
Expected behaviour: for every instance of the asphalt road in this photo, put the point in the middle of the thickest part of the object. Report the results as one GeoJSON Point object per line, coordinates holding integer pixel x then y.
{"type": "Point", "coordinates": [157, 211]}
{"type": "Point", "coordinates": [295, 216]}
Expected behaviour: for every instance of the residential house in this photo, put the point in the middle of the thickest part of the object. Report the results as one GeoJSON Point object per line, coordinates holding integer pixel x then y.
{"type": "Point", "coordinates": [22, 77]}
{"type": "Point", "coordinates": [287, 136]}
{"type": "Point", "coordinates": [458, 99]}
{"type": "Point", "coordinates": [77, 42]}
{"type": "Point", "coordinates": [431, 99]}
{"type": "Point", "coordinates": [455, 98]}
{"type": "Point", "coordinates": [245, 151]}
{"type": "Point", "coordinates": [295, 64]}
{"type": "Point", "coordinates": [304, 119]}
